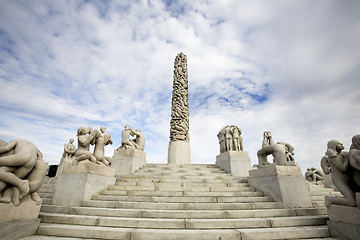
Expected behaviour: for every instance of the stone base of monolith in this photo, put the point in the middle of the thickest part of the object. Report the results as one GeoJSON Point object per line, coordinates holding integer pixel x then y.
{"type": "Point", "coordinates": [344, 222]}
{"type": "Point", "coordinates": [76, 184]}
{"type": "Point", "coordinates": [234, 162]}
{"type": "Point", "coordinates": [283, 183]}
{"type": "Point", "coordinates": [127, 160]}
{"type": "Point", "coordinates": [179, 152]}
{"type": "Point", "coordinates": [19, 229]}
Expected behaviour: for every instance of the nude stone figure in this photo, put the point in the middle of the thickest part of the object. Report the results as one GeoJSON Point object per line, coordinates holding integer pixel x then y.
{"type": "Point", "coordinates": [100, 142]}
{"type": "Point", "coordinates": [354, 160]}
{"type": "Point", "coordinates": [86, 136]}
{"type": "Point", "coordinates": [69, 149]}
{"type": "Point", "coordinates": [314, 175]}
{"type": "Point", "coordinates": [336, 161]}
{"type": "Point", "coordinates": [269, 147]}
{"type": "Point", "coordinates": [140, 140]}
{"type": "Point", "coordinates": [22, 171]}
{"type": "Point", "coordinates": [125, 140]}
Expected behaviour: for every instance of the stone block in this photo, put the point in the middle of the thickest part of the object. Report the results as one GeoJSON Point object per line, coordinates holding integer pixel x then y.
{"type": "Point", "coordinates": [234, 162]}
{"type": "Point", "coordinates": [19, 229]}
{"type": "Point", "coordinates": [344, 231]}
{"type": "Point", "coordinates": [28, 209]}
{"type": "Point", "coordinates": [344, 214]}
{"type": "Point", "coordinates": [179, 152]}
{"type": "Point", "coordinates": [88, 167]}
{"type": "Point", "coordinates": [283, 183]}
{"type": "Point", "coordinates": [74, 188]}
{"type": "Point", "coordinates": [128, 160]}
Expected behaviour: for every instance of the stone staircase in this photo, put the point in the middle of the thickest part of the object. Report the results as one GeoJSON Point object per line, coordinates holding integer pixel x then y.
{"type": "Point", "coordinates": [194, 201]}
{"type": "Point", "coordinates": [318, 192]}
{"type": "Point", "coordinates": [46, 191]}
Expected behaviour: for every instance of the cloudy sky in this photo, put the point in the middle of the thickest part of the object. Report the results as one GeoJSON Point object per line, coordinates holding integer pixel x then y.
{"type": "Point", "coordinates": [290, 67]}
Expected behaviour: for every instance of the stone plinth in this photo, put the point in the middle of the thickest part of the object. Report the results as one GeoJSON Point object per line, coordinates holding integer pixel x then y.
{"type": "Point", "coordinates": [344, 222]}
{"type": "Point", "coordinates": [235, 162]}
{"type": "Point", "coordinates": [28, 209]}
{"type": "Point", "coordinates": [128, 160]}
{"type": "Point", "coordinates": [78, 183]}
{"type": "Point", "coordinates": [19, 229]}
{"type": "Point", "coordinates": [283, 183]}
{"type": "Point", "coordinates": [179, 152]}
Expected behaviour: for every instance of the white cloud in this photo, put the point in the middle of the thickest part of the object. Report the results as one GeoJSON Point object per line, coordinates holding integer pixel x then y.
{"type": "Point", "coordinates": [291, 68]}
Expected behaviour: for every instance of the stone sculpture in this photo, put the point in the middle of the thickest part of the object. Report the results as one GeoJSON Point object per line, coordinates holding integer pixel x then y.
{"type": "Point", "coordinates": [179, 124]}
{"type": "Point", "coordinates": [69, 149]}
{"type": "Point", "coordinates": [282, 152]}
{"type": "Point", "coordinates": [87, 137]}
{"type": "Point", "coordinates": [345, 173]}
{"type": "Point", "coordinates": [230, 139]}
{"type": "Point", "coordinates": [99, 150]}
{"type": "Point", "coordinates": [138, 142]}
{"type": "Point", "coordinates": [22, 171]}
{"type": "Point", "coordinates": [314, 175]}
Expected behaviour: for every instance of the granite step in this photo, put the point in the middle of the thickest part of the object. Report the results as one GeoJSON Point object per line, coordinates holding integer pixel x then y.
{"type": "Point", "coordinates": [150, 213]}
{"type": "Point", "coordinates": [183, 206]}
{"type": "Point", "coordinates": [286, 233]}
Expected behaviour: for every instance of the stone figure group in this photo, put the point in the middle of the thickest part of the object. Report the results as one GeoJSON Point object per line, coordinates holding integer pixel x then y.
{"type": "Point", "coordinates": [138, 142]}
{"type": "Point", "coordinates": [22, 171]}
{"type": "Point", "coordinates": [87, 137]}
{"type": "Point", "coordinates": [345, 171]}
{"type": "Point", "coordinates": [283, 153]}
{"type": "Point", "coordinates": [179, 123]}
{"type": "Point", "coordinates": [230, 139]}
{"type": "Point", "coordinates": [314, 174]}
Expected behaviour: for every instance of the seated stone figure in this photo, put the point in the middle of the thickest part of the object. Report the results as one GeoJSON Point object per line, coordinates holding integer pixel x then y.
{"type": "Point", "coordinates": [22, 170]}
{"type": "Point", "coordinates": [314, 175]}
{"type": "Point", "coordinates": [343, 175]}
{"type": "Point", "coordinates": [69, 149]}
{"type": "Point", "coordinates": [282, 152]}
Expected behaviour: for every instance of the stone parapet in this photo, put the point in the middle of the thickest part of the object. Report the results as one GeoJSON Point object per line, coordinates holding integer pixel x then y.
{"type": "Point", "coordinates": [235, 162]}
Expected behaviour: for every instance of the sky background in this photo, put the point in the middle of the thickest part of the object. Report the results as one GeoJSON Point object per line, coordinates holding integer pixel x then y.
{"type": "Point", "coordinates": [289, 67]}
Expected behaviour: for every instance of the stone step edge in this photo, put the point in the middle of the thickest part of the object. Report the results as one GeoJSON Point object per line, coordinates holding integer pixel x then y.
{"type": "Point", "coordinates": [183, 223]}
{"type": "Point", "coordinates": [149, 234]}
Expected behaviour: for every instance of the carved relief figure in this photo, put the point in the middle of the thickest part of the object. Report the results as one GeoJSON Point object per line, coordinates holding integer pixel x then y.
{"type": "Point", "coordinates": [282, 152]}
{"type": "Point", "coordinates": [230, 139]}
{"type": "Point", "coordinates": [179, 123]}
{"type": "Point", "coordinates": [22, 170]}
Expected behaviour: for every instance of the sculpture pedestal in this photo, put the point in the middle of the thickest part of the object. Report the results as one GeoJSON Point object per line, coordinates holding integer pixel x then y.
{"type": "Point", "coordinates": [76, 184]}
{"type": "Point", "coordinates": [128, 160]}
{"type": "Point", "coordinates": [344, 222]}
{"type": "Point", "coordinates": [19, 221]}
{"type": "Point", "coordinates": [283, 183]}
{"type": "Point", "coordinates": [234, 162]}
{"type": "Point", "coordinates": [179, 153]}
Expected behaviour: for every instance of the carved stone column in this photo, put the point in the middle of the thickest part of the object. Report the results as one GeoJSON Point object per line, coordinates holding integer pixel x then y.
{"type": "Point", "coordinates": [179, 146]}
